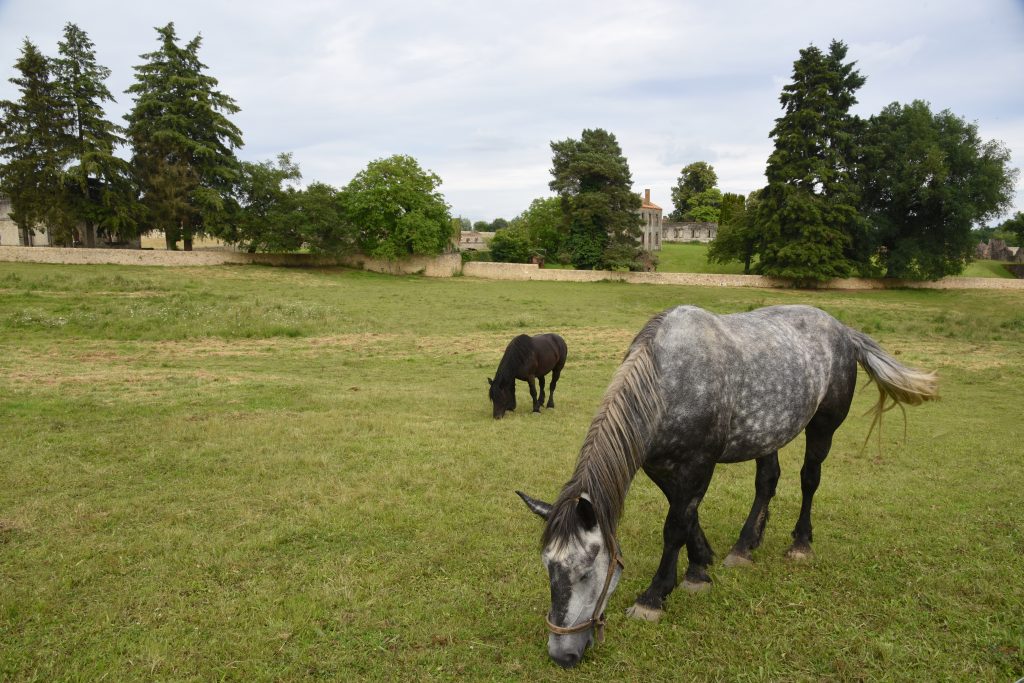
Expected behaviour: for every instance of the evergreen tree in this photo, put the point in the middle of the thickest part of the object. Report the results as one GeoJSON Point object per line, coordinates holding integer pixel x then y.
{"type": "Point", "coordinates": [183, 142]}
{"type": "Point", "coordinates": [927, 180]}
{"type": "Point", "coordinates": [593, 181]}
{"type": "Point", "coordinates": [809, 210]}
{"type": "Point", "coordinates": [695, 180]}
{"type": "Point", "coordinates": [34, 148]}
{"type": "Point", "coordinates": [99, 187]}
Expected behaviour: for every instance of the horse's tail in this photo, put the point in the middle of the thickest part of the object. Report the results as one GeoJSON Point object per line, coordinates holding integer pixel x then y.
{"type": "Point", "coordinates": [897, 384]}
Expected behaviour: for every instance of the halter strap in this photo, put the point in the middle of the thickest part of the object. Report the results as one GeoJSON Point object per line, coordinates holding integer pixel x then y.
{"type": "Point", "coordinates": [597, 619]}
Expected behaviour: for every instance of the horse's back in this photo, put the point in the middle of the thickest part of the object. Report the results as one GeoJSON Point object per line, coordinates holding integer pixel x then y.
{"type": "Point", "coordinates": [551, 351]}
{"type": "Point", "coordinates": [748, 383]}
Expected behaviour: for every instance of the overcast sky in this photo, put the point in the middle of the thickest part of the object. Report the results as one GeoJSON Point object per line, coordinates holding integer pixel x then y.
{"type": "Point", "coordinates": [477, 91]}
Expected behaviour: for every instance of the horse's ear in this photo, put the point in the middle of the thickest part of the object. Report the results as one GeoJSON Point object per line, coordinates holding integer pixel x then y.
{"type": "Point", "coordinates": [585, 512]}
{"type": "Point", "coordinates": [490, 381]}
{"type": "Point", "coordinates": [538, 507]}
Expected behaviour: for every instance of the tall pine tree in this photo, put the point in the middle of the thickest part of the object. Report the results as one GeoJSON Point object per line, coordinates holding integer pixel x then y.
{"type": "Point", "coordinates": [812, 229]}
{"type": "Point", "coordinates": [592, 178]}
{"type": "Point", "coordinates": [183, 142]}
{"type": "Point", "coordinates": [98, 184]}
{"type": "Point", "coordinates": [34, 149]}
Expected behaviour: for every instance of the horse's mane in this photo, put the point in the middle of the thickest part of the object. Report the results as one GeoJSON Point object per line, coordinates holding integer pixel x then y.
{"type": "Point", "coordinates": [516, 354]}
{"type": "Point", "coordinates": [615, 445]}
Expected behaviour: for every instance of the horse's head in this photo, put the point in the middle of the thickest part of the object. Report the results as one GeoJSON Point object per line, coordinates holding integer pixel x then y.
{"type": "Point", "coordinates": [503, 396]}
{"type": "Point", "coordinates": [583, 571]}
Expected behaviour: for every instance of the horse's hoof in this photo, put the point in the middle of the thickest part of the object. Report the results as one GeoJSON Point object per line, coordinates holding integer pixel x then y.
{"type": "Point", "coordinates": [696, 586]}
{"type": "Point", "coordinates": [735, 559]}
{"type": "Point", "coordinates": [644, 613]}
{"type": "Point", "coordinates": [800, 553]}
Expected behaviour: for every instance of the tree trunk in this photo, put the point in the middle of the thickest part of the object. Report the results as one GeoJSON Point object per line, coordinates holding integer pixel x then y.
{"type": "Point", "coordinates": [90, 235]}
{"type": "Point", "coordinates": [172, 244]}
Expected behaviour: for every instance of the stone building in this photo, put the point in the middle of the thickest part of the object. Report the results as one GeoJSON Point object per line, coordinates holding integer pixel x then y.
{"type": "Point", "coordinates": [998, 250]}
{"type": "Point", "coordinates": [473, 240]}
{"type": "Point", "coordinates": [689, 231]}
{"type": "Point", "coordinates": [651, 223]}
{"type": "Point", "coordinates": [13, 236]}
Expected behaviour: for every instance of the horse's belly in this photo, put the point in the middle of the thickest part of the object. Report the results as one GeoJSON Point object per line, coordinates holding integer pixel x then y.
{"type": "Point", "coordinates": [756, 436]}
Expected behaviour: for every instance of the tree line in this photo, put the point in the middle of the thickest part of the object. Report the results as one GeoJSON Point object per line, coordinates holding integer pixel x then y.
{"type": "Point", "coordinates": [893, 195]}
{"type": "Point", "coordinates": [60, 168]}
{"type": "Point", "coordinates": [896, 194]}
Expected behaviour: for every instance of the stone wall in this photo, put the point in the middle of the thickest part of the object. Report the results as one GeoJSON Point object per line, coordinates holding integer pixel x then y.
{"type": "Point", "coordinates": [444, 265]}
{"type": "Point", "coordinates": [447, 265]}
{"type": "Point", "coordinates": [524, 271]}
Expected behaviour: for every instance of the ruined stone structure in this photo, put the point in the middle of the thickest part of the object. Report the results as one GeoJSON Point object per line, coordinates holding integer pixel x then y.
{"type": "Point", "coordinates": [997, 250]}
{"type": "Point", "coordinates": [473, 240]}
{"type": "Point", "coordinates": [689, 231]}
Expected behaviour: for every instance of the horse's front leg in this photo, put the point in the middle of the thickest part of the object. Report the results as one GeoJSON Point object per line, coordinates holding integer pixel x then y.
{"type": "Point", "coordinates": [540, 399]}
{"type": "Point", "coordinates": [685, 490]}
{"type": "Point", "coordinates": [533, 395]}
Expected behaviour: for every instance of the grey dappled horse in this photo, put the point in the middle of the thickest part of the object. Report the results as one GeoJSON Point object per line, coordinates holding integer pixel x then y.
{"type": "Point", "coordinates": [696, 389]}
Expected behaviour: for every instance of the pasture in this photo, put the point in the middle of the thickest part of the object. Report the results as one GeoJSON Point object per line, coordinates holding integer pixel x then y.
{"type": "Point", "coordinates": [247, 473]}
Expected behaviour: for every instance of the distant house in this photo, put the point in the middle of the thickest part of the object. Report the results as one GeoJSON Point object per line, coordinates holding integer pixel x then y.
{"type": "Point", "coordinates": [651, 223]}
{"type": "Point", "coordinates": [13, 236]}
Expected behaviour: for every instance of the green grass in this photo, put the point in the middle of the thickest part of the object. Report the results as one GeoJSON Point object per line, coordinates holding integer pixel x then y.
{"type": "Point", "coordinates": [692, 258]}
{"type": "Point", "coordinates": [986, 269]}
{"type": "Point", "coordinates": [249, 473]}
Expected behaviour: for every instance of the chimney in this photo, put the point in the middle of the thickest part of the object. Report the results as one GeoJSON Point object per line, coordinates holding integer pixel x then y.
{"type": "Point", "coordinates": [647, 196]}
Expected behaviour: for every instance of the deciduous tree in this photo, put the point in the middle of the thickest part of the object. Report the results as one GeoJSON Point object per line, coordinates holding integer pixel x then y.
{"type": "Point", "coordinates": [397, 209]}
{"type": "Point", "coordinates": [545, 228]}
{"type": "Point", "coordinates": [739, 235]}
{"type": "Point", "coordinates": [267, 219]}
{"type": "Point", "coordinates": [927, 180]}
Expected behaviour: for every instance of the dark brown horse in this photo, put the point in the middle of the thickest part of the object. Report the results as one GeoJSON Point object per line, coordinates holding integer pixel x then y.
{"type": "Point", "coordinates": [527, 358]}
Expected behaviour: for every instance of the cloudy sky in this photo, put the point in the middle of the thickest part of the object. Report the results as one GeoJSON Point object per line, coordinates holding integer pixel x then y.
{"type": "Point", "coordinates": [476, 91]}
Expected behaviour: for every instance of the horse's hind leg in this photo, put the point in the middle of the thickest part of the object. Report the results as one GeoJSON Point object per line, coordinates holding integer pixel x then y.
{"type": "Point", "coordinates": [765, 481]}
{"type": "Point", "coordinates": [819, 440]}
{"type": "Point", "coordinates": [540, 399]}
{"type": "Point", "coordinates": [556, 372]}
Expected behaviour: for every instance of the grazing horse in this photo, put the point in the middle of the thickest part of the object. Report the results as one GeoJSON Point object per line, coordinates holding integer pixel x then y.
{"type": "Point", "coordinates": [527, 358]}
{"type": "Point", "coordinates": [696, 389]}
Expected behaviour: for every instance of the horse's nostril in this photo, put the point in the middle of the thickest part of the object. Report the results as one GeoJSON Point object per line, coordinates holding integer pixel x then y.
{"type": "Point", "coordinates": [567, 660]}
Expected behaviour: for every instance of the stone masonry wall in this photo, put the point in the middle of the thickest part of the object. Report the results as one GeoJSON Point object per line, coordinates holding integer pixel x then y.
{"type": "Point", "coordinates": [448, 265]}
{"type": "Point", "coordinates": [445, 265]}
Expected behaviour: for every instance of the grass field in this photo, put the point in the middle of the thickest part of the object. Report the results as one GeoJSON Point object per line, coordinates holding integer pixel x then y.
{"type": "Point", "coordinates": [693, 258]}
{"type": "Point", "coordinates": [247, 473]}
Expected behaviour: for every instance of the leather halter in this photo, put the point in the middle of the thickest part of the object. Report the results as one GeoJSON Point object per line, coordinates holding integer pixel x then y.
{"type": "Point", "coordinates": [597, 619]}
